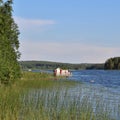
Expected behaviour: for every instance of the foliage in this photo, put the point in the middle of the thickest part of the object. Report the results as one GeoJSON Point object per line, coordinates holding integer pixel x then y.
{"type": "Point", "coordinates": [9, 44]}
{"type": "Point", "coordinates": [112, 63]}
{"type": "Point", "coordinates": [52, 65]}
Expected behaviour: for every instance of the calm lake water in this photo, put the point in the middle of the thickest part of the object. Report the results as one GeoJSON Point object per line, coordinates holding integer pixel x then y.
{"type": "Point", "coordinates": [110, 78]}
{"type": "Point", "coordinates": [100, 83]}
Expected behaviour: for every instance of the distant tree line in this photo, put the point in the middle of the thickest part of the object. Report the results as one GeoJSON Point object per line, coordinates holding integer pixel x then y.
{"type": "Point", "coordinates": [52, 65]}
{"type": "Point", "coordinates": [112, 64]}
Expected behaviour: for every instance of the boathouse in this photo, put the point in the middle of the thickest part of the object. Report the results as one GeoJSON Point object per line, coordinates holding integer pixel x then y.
{"type": "Point", "coordinates": [62, 72]}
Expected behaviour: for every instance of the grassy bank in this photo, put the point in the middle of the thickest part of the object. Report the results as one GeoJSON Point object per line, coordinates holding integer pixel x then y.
{"type": "Point", "coordinates": [43, 80]}
{"type": "Point", "coordinates": [38, 96]}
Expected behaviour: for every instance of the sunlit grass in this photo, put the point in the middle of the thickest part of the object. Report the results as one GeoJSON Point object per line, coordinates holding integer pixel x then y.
{"type": "Point", "coordinates": [43, 80]}
{"type": "Point", "coordinates": [38, 96]}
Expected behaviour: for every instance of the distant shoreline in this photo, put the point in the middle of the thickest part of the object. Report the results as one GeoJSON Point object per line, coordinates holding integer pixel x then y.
{"type": "Point", "coordinates": [53, 65]}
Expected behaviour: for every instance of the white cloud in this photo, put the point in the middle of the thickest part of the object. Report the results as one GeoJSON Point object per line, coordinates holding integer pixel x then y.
{"type": "Point", "coordinates": [66, 52]}
{"type": "Point", "coordinates": [29, 24]}
{"type": "Point", "coordinates": [33, 21]}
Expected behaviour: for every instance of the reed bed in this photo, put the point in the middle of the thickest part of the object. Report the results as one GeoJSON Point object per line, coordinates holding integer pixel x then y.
{"type": "Point", "coordinates": [43, 80]}
{"type": "Point", "coordinates": [36, 97]}
{"type": "Point", "coordinates": [56, 105]}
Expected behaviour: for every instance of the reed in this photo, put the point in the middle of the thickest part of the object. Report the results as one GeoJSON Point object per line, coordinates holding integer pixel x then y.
{"type": "Point", "coordinates": [59, 105]}
{"type": "Point", "coordinates": [43, 80]}
{"type": "Point", "coordinates": [36, 97]}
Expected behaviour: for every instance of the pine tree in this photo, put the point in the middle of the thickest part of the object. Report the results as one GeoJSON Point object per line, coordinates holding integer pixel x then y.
{"type": "Point", "coordinates": [9, 44]}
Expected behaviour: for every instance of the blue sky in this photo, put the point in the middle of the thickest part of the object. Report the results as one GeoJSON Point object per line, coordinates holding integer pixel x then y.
{"type": "Point", "coordinates": [73, 31]}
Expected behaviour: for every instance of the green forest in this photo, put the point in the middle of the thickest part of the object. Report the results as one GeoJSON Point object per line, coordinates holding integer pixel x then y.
{"type": "Point", "coordinates": [52, 65]}
{"type": "Point", "coordinates": [112, 64]}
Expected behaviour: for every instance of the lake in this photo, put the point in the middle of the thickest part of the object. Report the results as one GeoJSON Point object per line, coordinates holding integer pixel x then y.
{"type": "Point", "coordinates": [109, 78]}
{"type": "Point", "coordinates": [99, 86]}
{"type": "Point", "coordinates": [100, 83]}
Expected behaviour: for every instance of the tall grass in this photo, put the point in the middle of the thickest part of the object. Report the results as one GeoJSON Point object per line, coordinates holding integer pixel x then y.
{"type": "Point", "coordinates": [56, 105]}
{"type": "Point", "coordinates": [43, 80]}
{"type": "Point", "coordinates": [9, 103]}
{"type": "Point", "coordinates": [38, 96]}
